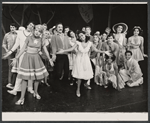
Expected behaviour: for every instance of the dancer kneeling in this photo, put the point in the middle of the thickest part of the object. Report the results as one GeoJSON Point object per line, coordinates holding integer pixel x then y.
{"type": "Point", "coordinates": [111, 75]}
{"type": "Point", "coordinates": [132, 73]}
{"type": "Point", "coordinates": [32, 67]}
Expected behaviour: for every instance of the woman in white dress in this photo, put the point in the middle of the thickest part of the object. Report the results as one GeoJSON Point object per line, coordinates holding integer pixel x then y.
{"type": "Point", "coordinates": [82, 68]}
{"type": "Point", "coordinates": [135, 44]}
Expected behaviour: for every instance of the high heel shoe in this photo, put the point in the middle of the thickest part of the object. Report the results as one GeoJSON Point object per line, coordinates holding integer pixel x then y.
{"type": "Point", "coordinates": [78, 94]}
{"type": "Point", "coordinates": [12, 92]}
{"type": "Point", "coordinates": [47, 84]}
{"type": "Point", "coordinates": [31, 91]}
{"type": "Point", "coordinates": [20, 102]}
{"type": "Point", "coordinates": [37, 96]}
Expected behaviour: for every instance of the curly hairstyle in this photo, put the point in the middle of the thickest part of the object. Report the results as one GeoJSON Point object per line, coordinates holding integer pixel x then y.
{"type": "Point", "coordinates": [139, 28]}
{"type": "Point", "coordinates": [87, 38]}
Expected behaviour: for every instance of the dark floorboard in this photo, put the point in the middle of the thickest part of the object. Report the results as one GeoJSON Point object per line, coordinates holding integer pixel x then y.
{"type": "Point", "coordinates": [96, 100]}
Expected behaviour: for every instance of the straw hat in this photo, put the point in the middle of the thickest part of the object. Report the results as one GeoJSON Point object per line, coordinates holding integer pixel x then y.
{"type": "Point", "coordinates": [125, 27]}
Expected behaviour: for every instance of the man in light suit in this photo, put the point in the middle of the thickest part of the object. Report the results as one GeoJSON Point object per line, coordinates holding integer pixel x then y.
{"type": "Point", "coordinates": [132, 73]}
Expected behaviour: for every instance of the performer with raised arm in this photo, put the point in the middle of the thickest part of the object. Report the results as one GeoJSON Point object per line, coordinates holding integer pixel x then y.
{"type": "Point", "coordinates": [32, 67]}
{"type": "Point", "coordinates": [20, 40]}
{"type": "Point", "coordinates": [82, 68]}
{"type": "Point", "coordinates": [120, 30]}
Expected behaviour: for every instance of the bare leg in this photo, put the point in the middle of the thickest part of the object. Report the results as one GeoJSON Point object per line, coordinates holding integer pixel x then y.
{"type": "Point", "coordinates": [105, 81]}
{"type": "Point", "coordinates": [87, 84]}
{"type": "Point", "coordinates": [36, 85]}
{"type": "Point", "coordinates": [78, 88]}
{"type": "Point", "coordinates": [17, 87]}
{"type": "Point", "coordinates": [23, 89]}
{"type": "Point", "coordinates": [30, 86]}
{"type": "Point", "coordinates": [46, 81]}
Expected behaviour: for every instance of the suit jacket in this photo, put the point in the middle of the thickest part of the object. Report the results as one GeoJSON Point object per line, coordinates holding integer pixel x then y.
{"type": "Point", "coordinates": [133, 69]}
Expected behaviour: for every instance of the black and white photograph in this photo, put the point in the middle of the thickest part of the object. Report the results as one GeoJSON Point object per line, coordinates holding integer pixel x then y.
{"type": "Point", "coordinates": [74, 61]}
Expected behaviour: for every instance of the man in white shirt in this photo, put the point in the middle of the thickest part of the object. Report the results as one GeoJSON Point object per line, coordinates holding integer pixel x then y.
{"type": "Point", "coordinates": [8, 43]}
{"type": "Point", "coordinates": [20, 40]}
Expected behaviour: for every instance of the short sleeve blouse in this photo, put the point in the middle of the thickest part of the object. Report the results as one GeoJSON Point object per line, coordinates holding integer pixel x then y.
{"type": "Point", "coordinates": [34, 43]}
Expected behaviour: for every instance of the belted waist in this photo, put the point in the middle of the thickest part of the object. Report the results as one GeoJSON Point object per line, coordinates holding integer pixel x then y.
{"type": "Point", "coordinates": [31, 50]}
{"type": "Point", "coordinates": [135, 47]}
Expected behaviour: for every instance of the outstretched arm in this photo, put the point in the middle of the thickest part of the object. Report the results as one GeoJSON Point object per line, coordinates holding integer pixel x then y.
{"type": "Point", "coordinates": [96, 50]}
{"type": "Point", "coordinates": [22, 50]}
{"type": "Point", "coordinates": [20, 53]}
{"type": "Point", "coordinates": [68, 50]}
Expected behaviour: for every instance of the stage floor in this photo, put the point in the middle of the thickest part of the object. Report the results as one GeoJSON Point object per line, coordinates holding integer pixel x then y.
{"type": "Point", "coordinates": [98, 99]}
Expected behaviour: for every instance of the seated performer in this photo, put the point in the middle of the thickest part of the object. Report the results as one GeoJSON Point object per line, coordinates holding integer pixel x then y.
{"type": "Point", "coordinates": [111, 75]}
{"type": "Point", "coordinates": [132, 74]}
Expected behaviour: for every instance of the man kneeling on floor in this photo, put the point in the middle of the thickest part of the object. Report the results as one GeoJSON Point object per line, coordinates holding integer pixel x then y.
{"type": "Point", "coordinates": [132, 73]}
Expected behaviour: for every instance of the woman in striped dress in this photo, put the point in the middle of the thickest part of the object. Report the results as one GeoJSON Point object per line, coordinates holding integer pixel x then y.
{"type": "Point", "coordinates": [32, 67]}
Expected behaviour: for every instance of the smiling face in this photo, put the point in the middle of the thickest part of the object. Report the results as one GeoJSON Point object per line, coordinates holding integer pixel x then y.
{"type": "Point", "coordinates": [128, 56]}
{"type": "Point", "coordinates": [30, 27]}
{"type": "Point", "coordinates": [72, 34]}
{"type": "Point", "coordinates": [82, 36]}
{"type": "Point", "coordinates": [119, 29]}
{"type": "Point", "coordinates": [66, 30]}
{"type": "Point", "coordinates": [136, 32]}
{"type": "Point", "coordinates": [104, 36]}
{"type": "Point", "coordinates": [37, 32]}
{"type": "Point", "coordinates": [95, 38]}
{"type": "Point", "coordinates": [110, 39]}
{"type": "Point", "coordinates": [88, 30]}
{"type": "Point", "coordinates": [46, 34]}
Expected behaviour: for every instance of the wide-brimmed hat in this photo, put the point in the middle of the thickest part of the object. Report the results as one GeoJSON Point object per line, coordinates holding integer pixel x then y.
{"type": "Point", "coordinates": [125, 27]}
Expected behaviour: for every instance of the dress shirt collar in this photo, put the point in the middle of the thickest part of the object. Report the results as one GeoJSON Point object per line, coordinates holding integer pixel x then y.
{"type": "Point", "coordinates": [12, 32]}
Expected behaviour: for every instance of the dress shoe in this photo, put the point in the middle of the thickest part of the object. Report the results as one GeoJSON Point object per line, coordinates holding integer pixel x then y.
{"type": "Point", "coordinates": [37, 96]}
{"type": "Point", "coordinates": [9, 86]}
{"type": "Point", "coordinates": [20, 102]}
{"type": "Point", "coordinates": [31, 91]}
{"type": "Point", "coordinates": [12, 92]}
{"type": "Point", "coordinates": [87, 86]}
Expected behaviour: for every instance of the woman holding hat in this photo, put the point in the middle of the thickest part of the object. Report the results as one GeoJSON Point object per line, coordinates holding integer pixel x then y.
{"type": "Point", "coordinates": [32, 67]}
{"type": "Point", "coordinates": [120, 30]}
{"type": "Point", "coordinates": [135, 44]}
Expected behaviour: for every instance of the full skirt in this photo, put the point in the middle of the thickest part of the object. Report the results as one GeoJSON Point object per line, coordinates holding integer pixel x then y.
{"type": "Point", "coordinates": [32, 67]}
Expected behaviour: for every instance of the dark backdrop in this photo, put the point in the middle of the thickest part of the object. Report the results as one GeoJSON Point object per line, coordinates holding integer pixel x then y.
{"type": "Point", "coordinates": [68, 14]}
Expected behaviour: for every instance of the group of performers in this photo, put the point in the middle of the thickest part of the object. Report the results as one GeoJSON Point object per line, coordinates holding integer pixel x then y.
{"type": "Point", "coordinates": [74, 57]}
